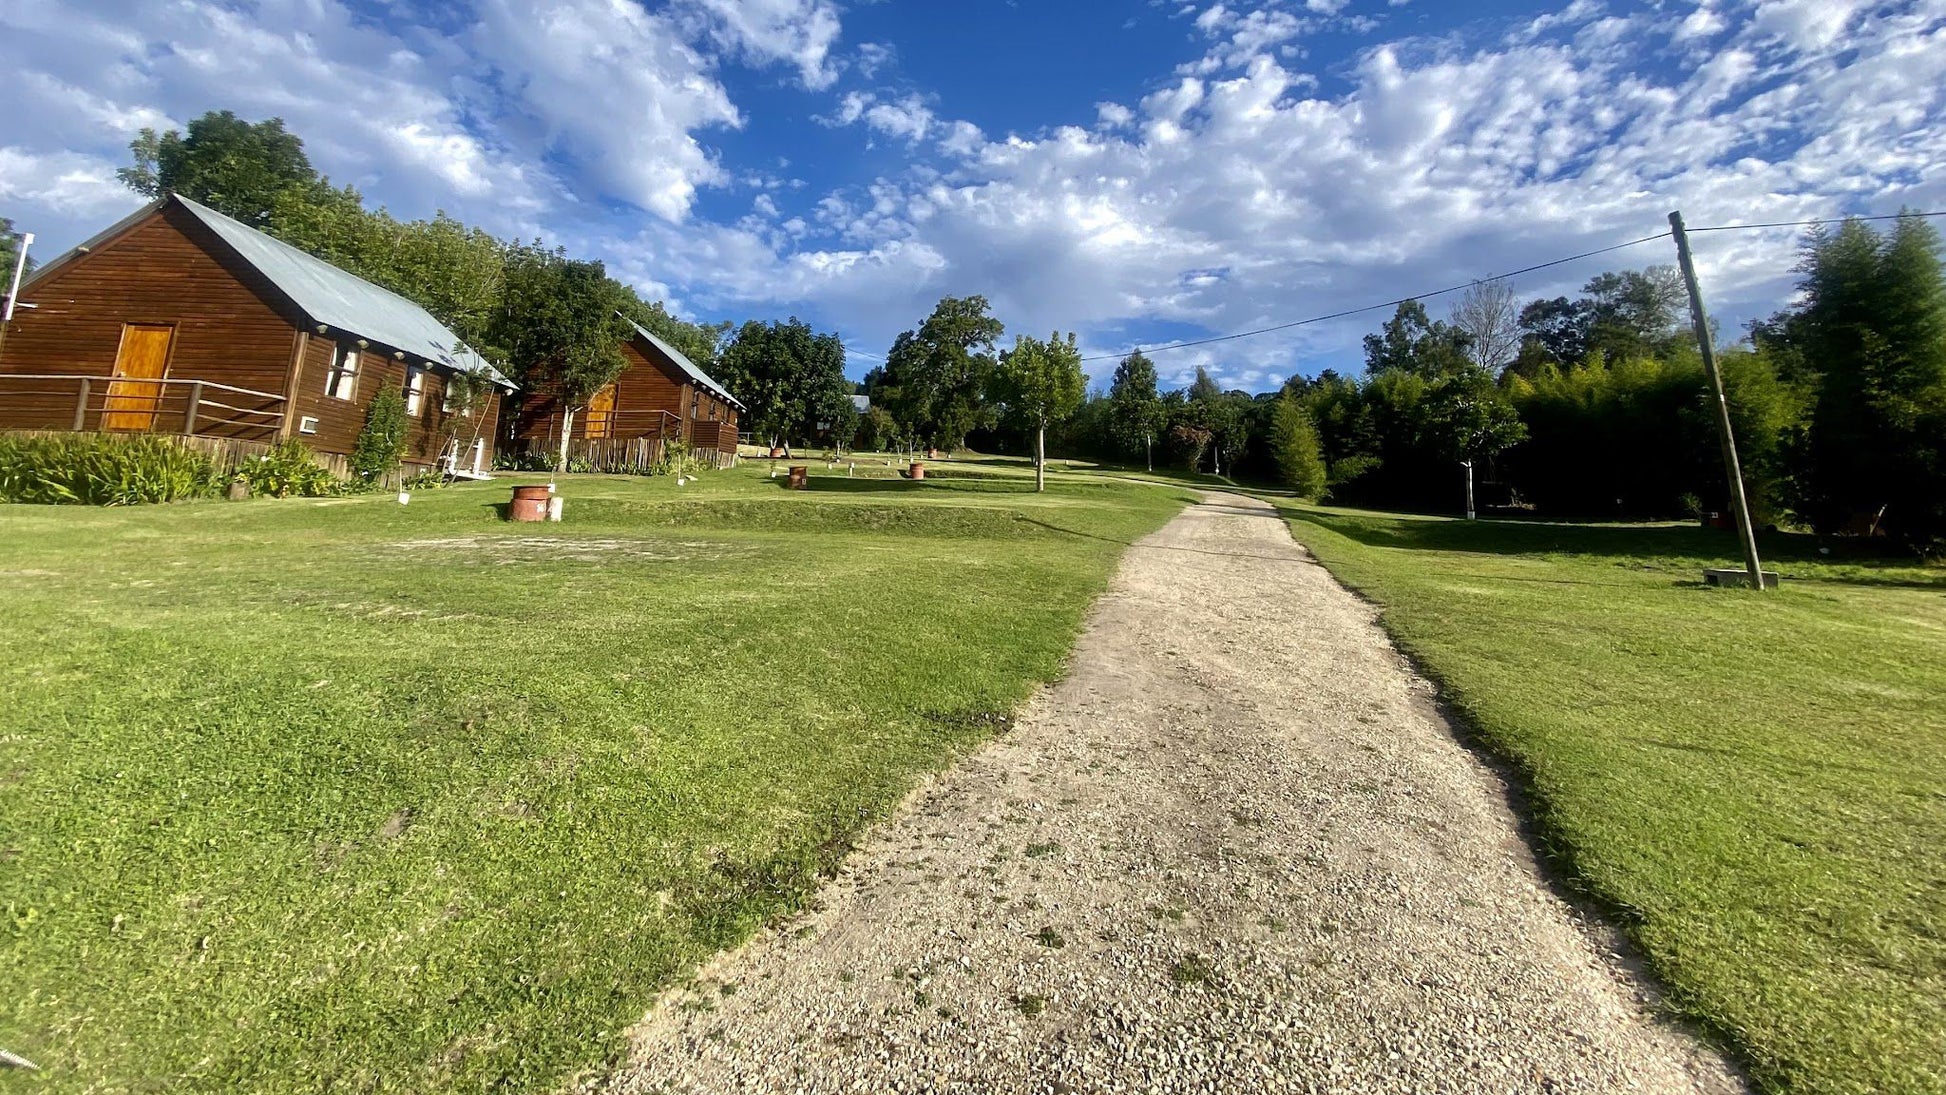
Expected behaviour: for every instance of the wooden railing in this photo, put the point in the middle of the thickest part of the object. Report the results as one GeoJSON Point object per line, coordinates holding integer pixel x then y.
{"type": "Point", "coordinates": [109, 404]}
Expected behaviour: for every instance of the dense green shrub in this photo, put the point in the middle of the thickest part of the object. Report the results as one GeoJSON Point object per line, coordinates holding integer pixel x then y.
{"type": "Point", "coordinates": [287, 470]}
{"type": "Point", "coordinates": [381, 444]}
{"type": "Point", "coordinates": [93, 470]}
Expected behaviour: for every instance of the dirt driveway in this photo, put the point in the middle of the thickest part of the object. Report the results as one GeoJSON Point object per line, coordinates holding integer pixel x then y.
{"type": "Point", "coordinates": [1235, 850]}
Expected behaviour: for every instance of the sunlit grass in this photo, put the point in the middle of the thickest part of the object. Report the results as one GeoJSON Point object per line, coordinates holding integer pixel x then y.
{"type": "Point", "coordinates": [1755, 783]}
{"type": "Point", "coordinates": [343, 795]}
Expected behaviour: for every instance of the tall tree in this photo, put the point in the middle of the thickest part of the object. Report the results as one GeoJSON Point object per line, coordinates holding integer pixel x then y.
{"type": "Point", "coordinates": [790, 379]}
{"type": "Point", "coordinates": [1135, 406]}
{"type": "Point", "coordinates": [1488, 316]}
{"type": "Point", "coordinates": [1040, 383]}
{"type": "Point", "coordinates": [1413, 342]}
{"type": "Point", "coordinates": [1295, 449]}
{"type": "Point", "coordinates": [1621, 315]}
{"type": "Point", "coordinates": [561, 325]}
{"type": "Point", "coordinates": [936, 377]}
{"type": "Point", "coordinates": [1873, 326]}
{"type": "Point", "coordinates": [238, 168]}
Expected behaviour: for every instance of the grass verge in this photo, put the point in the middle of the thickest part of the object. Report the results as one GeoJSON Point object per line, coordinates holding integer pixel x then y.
{"type": "Point", "coordinates": [343, 795]}
{"type": "Point", "coordinates": [1754, 783]}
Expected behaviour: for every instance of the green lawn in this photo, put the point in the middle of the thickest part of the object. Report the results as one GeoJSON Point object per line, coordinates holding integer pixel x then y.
{"type": "Point", "coordinates": [1754, 783]}
{"type": "Point", "coordinates": [343, 795]}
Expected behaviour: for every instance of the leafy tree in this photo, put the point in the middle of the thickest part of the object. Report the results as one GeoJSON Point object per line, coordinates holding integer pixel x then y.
{"type": "Point", "coordinates": [560, 323]}
{"type": "Point", "coordinates": [1622, 315]}
{"type": "Point", "coordinates": [238, 168]}
{"type": "Point", "coordinates": [10, 254]}
{"type": "Point", "coordinates": [790, 379]}
{"type": "Point", "coordinates": [1412, 342]}
{"type": "Point", "coordinates": [1135, 407]}
{"type": "Point", "coordinates": [1295, 448]}
{"type": "Point", "coordinates": [936, 377]}
{"type": "Point", "coordinates": [1041, 383]}
{"type": "Point", "coordinates": [878, 431]}
{"type": "Point", "coordinates": [1873, 329]}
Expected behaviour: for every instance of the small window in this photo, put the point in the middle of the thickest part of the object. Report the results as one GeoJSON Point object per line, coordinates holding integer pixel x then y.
{"type": "Point", "coordinates": [341, 381]}
{"type": "Point", "coordinates": [415, 392]}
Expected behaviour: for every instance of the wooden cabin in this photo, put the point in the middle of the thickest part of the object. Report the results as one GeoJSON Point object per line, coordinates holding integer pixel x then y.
{"type": "Point", "coordinates": [659, 395]}
{"type": "Point", "coordinates": [180, 320]}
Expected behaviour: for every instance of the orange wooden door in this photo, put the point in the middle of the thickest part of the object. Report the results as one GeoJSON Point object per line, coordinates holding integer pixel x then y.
{"type": "Point", "coordinates": [601, 413]}
{"type": "Point", "coordinates": [133, 395]}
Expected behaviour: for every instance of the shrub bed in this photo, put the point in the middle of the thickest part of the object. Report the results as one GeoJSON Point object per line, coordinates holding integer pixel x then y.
{"type": "Point", "coordinates": [91, 470]}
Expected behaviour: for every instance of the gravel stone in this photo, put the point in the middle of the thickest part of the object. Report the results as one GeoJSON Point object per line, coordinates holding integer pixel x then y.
{"type": "Point", "coordinates": [1272, 866]}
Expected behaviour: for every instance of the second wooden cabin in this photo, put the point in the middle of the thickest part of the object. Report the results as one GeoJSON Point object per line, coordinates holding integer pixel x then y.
{"type": "Point", "coordinates": [660, 396]}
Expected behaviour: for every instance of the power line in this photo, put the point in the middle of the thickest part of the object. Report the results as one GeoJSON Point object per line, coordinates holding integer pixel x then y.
{"type": "Point", "coordinates": [1808, 224]}
{"type": "Point", "coordinates": [1386, 304]}
{"type": "Point", "coordinates": [1509, 274]}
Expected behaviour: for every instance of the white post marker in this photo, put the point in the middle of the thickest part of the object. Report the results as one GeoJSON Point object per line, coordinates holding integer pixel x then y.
{"type": "Point", "coordinates": [13, 290]}
{"type": "Point", "coordinates": [20, 269]}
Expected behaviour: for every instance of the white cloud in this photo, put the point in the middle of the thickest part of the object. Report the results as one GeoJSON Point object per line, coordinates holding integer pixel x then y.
{"type": "Point", "coordinates": [1440, 164]}
{"type": "Point", "coordinates": [69, 183]}
{"type": "Point", "coordinates": [797, 32]}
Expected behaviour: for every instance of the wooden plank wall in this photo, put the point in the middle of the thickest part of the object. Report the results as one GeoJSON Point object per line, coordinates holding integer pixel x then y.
{"type": "Point", "coordinates": [649, 384]}
{"type": "Point", "coordinates": [165, 271]}
{"type": "Point", "coordinates": [339, 421]}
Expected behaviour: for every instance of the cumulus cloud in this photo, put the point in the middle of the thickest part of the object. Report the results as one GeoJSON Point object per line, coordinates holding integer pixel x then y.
{"type": "Point", "coordinates": [1227, 193]}
{"type": "Point", "coordinates": [1441, 163]}
{"type": "Point", "coordinates": [797, 32]}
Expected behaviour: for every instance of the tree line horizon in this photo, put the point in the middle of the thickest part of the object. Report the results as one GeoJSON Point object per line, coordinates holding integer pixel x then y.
{"type": "Point", "coordinates": [1587, 406]}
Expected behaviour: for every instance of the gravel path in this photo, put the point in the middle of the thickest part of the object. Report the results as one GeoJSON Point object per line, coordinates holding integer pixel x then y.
{"type": "Point", "coordinates": [1235, 850]}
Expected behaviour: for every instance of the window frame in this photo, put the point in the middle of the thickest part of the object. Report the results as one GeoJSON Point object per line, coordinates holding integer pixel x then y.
{"type": "Point", "coordinates": [415, 391]}
{"type": "Point", "coordinates": [345, 367]}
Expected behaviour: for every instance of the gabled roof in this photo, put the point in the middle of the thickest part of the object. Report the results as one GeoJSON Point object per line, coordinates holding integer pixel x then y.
{"type": "Point", "coordinates": [324, 293]}
{"type": "Point", "coordinates": [686, 365]}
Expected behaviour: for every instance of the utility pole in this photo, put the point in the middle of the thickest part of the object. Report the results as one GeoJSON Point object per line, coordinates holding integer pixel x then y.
{"type": "Point", "coordinates": [1731, 468]}
{"type": "Point", "coordinates": [13, 291]}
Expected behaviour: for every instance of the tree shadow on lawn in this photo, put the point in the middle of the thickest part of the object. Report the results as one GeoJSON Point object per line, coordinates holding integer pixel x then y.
{"type": "Point", "coordinates": [842, 484]}
{"type": "Point", "coordinates": [1851, 561]}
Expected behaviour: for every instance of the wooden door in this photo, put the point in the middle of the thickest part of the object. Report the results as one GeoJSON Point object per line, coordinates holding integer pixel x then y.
{"type": "Point", "coordinates": [134, 395]}
{"type": "Point", "coordinates": [601, 414]}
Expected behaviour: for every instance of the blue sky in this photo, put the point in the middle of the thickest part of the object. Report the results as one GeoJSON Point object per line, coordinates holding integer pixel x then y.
{"type": "Point", "coordinates": [1137, 172]}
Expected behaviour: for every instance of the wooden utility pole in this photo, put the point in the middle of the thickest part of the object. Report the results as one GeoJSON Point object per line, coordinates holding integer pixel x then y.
{"type": "Point", "coordinates": [1738, 501]}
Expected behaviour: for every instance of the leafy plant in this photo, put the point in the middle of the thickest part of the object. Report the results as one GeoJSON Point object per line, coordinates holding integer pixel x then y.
{"type": "Point", "coordinates": [380, 445]}
{"type": "Point", "coordinates": [91, 470]}
{"type": "Point", "coordinates": [287, 470]}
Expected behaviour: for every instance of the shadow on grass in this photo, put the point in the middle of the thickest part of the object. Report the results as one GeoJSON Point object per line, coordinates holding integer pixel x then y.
{"type": "Point", "coordinates": [1673, 546]}
{"type": "Point", "coordinates": [842, 484]}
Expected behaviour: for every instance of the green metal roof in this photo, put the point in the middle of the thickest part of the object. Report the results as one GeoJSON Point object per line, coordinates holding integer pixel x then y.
{"type": "Point", "coordinates": [345, 301]}
{"type": "Point", "coordinates": [324, 293]}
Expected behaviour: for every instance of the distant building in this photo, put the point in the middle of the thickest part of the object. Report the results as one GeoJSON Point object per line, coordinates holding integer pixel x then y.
{"type": "Point", "coordinates": [660, 395]}
{"type": "Point", "coordinates": [180, 320]}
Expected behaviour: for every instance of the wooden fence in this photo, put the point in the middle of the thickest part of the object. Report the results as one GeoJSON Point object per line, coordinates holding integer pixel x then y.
{"type": "Point", "coordinates": [168, 405]}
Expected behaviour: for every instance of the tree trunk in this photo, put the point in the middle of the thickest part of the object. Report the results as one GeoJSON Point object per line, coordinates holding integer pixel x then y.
{"type": "Point", "coordinates": [1148, 451]}
{"type": "Point", "coordinates": [1040, 458]}
{"type": "Point", "coordinates": [567, 431]}
{"type": "Point", "coordinates": [1468, 464]}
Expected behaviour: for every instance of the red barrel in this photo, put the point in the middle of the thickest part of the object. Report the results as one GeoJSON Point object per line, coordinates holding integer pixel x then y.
{"type": "Point", "coordinates": [918, 470]}
{"type": "Point", "coordinates": [530, 503]}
